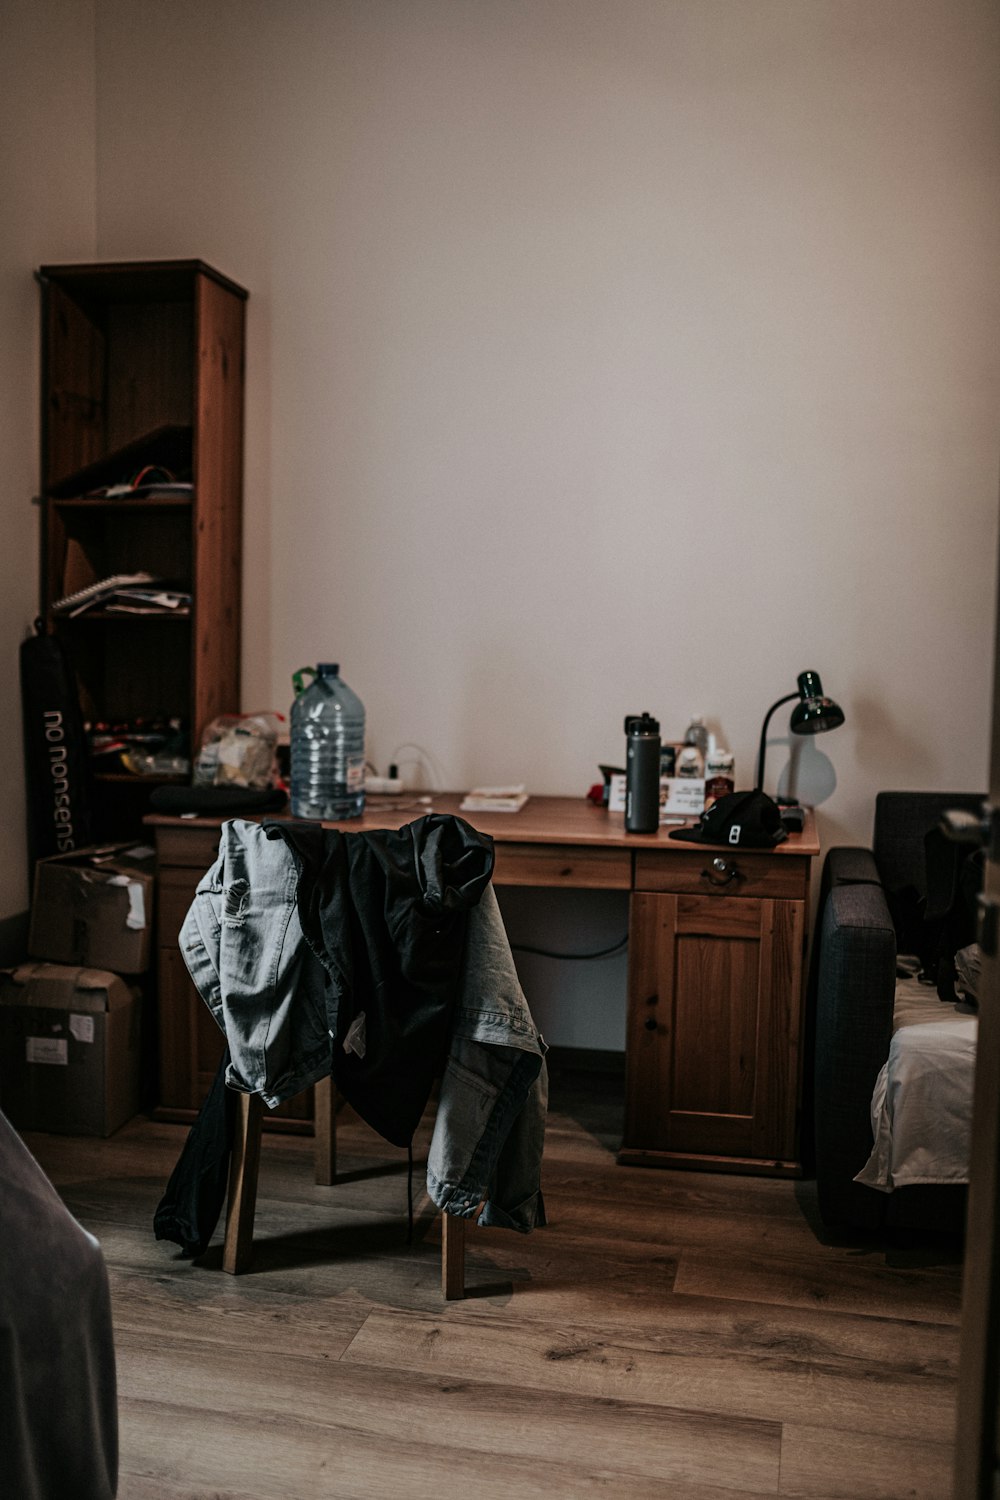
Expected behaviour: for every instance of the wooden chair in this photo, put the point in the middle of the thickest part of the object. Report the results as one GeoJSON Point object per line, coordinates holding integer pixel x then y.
{"type": "Point", "coordinates": [238, 1247]}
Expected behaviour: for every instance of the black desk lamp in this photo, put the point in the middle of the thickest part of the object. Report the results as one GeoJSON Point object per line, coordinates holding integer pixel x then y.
{"type": "Point", "coordinates": [813, 714]}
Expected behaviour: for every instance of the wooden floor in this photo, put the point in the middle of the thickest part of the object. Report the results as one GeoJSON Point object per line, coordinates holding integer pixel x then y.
{"type": "Point", "coordinates": [668, 1335]}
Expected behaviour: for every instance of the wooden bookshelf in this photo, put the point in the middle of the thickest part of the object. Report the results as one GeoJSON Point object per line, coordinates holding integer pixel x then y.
{"type": "Point", "coordinates": [143, 364]}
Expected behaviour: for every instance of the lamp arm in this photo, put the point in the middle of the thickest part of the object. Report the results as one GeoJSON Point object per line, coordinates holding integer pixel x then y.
{"type": "Point", "coordinates": [763, 738]}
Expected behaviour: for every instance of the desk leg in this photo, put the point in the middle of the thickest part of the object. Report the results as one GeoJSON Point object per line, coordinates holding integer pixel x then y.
{"type": "Point", "coordinates": [452, 1257]}
{"type": "Point", "coordinates": [243, 1170]}
{"type": "Point", "coordinates": [325, 1123]}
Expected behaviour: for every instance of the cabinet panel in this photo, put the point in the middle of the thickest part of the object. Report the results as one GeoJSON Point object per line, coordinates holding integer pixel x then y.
{"type": "Point", "coordinates": [218, 469]}
{"type": "Point", "coordinates": [149, 367]}
{"type": "Point", "coordinates": [174, 894]}
{"type": "Point", "coordinates": [715, 1006]}
{"type": "Point", "coordinates": [713, 1030]}
{"type": "Point", "coordinates": [190, 1047]}
{"type": "Point", "coordinates": [73, 396]}
{"type": "Point", "coordinates": [178, 1004]}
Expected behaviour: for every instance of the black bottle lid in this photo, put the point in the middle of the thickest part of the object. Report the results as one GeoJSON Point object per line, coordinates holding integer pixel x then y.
{"type": "Point", "coordinates": [641, 724]}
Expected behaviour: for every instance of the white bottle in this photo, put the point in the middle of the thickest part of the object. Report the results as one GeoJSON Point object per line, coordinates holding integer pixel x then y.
{"type": "Point", "coordinates": [719, 780]}
{"type": "Point", "coordinates": [695, 735]}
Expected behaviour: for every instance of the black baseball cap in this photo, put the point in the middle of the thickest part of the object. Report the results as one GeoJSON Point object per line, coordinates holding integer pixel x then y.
{"type": "Point", "coordinates": [744, 820]}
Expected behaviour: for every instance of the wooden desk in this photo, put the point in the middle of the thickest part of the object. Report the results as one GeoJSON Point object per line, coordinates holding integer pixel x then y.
{"type": "Point", "coordinates": [715, 983]}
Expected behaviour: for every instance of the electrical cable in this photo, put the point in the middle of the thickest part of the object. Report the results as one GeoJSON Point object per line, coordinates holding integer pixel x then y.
{"type": "Point", "coordinates": [549, 953]}
{"type": "Point", "coordinates": [429, 761]}
{"type": "Point", "coordinates": [158, 472]}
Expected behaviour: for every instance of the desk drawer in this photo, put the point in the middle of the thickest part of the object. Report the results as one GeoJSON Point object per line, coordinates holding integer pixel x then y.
{"type": "Point", "coordinates": [563, 865]}
{"type": "Point", "coordinates": [771, 876]}
{"type": "Point", "coordinates": [195, 847]}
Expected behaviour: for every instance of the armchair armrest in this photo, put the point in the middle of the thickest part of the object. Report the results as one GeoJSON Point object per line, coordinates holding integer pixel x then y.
{"type": "Point", "coordinates": [855, 990]}
{"type": "Point", "coordinates": [848, 865]}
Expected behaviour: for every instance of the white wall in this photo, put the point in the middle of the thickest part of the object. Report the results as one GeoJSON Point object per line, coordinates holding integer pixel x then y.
{"type": "Point", "coordinates": [48, 193]}
{"type": "Point", "coordinates": [603, 357]}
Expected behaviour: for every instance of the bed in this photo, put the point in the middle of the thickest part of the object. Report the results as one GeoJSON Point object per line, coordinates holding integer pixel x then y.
{"type": "Point", "coordinates": [895, 1176]}
{"type": "Point", "coordinates": [921, 1107]}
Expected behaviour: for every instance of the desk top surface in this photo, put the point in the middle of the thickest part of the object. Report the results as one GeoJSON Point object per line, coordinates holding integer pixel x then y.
{"type": "Point", "coordinates": [542, 820]}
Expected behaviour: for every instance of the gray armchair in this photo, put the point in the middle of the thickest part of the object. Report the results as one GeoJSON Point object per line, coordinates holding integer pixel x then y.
{"type": "Point", "coordinates": [852, 984]}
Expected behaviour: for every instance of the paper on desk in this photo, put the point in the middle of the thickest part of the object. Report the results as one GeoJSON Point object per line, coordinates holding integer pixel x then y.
{"type": "Point", "coordinates": [681, 797]}
{"type": "Point", "coordinates": [494, 799]}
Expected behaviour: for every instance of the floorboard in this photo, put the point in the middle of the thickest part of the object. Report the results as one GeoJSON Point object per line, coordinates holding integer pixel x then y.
{"type": "Point", "coordinates": [669, 1333]}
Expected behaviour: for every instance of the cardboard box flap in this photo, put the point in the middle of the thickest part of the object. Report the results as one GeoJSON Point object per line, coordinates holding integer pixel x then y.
{"type": "Point", "coordinates": [99, 860]}
{"type": "Point", "coordinates": [82, 883]}
{"type": "Point", "coordinates": [63, 987]}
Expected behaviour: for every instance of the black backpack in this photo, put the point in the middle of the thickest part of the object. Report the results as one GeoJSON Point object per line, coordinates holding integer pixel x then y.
{"type": "Point", "coordinates": [954, 881]}
{"type": "Point", "coordinates": [57, 769]}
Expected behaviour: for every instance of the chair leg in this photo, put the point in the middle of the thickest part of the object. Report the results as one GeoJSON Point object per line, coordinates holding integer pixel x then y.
{"type": "Point", "coordinates": [452, 1257]}
{"type": "Point", "coordinates": [245, 1165]}
{"type": "Point", "coordinates": [243, 1168]}
{"type": "Point", "coordinates": [325, 1126]}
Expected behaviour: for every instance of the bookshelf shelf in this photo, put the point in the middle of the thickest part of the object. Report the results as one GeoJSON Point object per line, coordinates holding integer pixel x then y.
{"type": "Point", "coordinates": [148, 502]}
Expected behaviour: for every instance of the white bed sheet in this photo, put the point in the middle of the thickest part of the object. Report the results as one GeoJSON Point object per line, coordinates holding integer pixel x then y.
{"type": "Point", "coordinates": [922, 1101]}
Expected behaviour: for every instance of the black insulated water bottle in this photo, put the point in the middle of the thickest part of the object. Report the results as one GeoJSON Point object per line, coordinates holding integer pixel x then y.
{"type": "Point", "coordinates": [642, 774]}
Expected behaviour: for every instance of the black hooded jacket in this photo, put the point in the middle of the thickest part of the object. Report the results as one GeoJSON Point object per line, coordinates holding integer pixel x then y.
{"type": "Point", "coordinates": [385, 912]}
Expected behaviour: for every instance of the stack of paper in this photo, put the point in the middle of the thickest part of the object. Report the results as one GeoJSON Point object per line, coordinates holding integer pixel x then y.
{"type": "Point", "coordinates": [95, 594]}
{"type": "Point", "coordinates": [151, 601]}
{"type": "Point", "coordinates": [495, 799]}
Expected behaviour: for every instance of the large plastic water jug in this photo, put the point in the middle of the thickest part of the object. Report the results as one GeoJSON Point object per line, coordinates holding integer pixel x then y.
{"type": "Point", "coordinates": [327, 734]}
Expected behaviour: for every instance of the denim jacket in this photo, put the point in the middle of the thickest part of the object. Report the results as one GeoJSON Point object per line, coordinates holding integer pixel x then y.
{"type": "Point", "coordinates": [244, 947]}
{"type": "Point", "coordinates": [490, 1126]}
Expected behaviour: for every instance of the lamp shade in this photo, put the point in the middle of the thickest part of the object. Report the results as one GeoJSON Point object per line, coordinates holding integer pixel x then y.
{"type": "Point", "coordinates": [814, 713]}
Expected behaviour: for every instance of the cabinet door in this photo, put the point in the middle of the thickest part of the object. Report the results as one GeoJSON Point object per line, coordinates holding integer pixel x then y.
{"type": "Point", "coordinates": [183, 1082]}
{"type": "Point", "coordinates": [714, 1028]}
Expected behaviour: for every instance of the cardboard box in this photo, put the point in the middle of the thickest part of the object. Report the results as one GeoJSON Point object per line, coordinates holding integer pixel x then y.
{"type": "Point", "coordinates": [69, 1049]}
{"type": "Point", "coordinates": [95, 907]}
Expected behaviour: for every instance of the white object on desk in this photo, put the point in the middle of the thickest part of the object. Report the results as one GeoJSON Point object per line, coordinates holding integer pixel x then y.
{"type": "Point", "coordinates": [494, 799]}
{"type": "Point", "coordinates": [680, 797]}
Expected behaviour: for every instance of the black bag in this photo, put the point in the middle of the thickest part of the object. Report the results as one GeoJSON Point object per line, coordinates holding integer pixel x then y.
{"type": "Point", "coordinates": [57, 768]}
{"type": "Point", "coordinates": [955, 876]}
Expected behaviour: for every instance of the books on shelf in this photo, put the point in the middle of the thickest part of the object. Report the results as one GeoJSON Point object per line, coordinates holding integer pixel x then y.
{"type": "Point", "coordinates": [97, 592]}
{"type": "Point", "coordinates": [124, 593]}
{"type": "Point", "coordinates": [494, 799]}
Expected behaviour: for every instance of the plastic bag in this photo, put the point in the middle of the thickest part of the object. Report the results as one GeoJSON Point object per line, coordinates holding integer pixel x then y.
{"type": "Point", "coordinates": [238, 750]}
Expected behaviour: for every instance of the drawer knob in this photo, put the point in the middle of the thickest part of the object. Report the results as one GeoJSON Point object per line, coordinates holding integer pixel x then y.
{"type": "Point", "coordinates": [720, 873]}
{"type": "Point", "coordinates": [650, 1023]}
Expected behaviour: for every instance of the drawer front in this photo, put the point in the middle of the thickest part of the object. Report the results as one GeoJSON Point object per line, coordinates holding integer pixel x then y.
{"type": "Point", "coordinates": [196, 847]}
{"type": "Point", "coordinates": [687, 873]}
{"type": "Point", "coordinates": [571, 866]}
